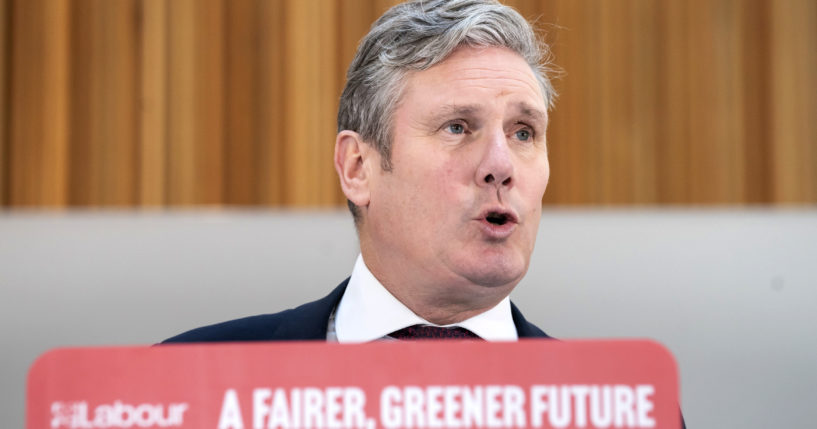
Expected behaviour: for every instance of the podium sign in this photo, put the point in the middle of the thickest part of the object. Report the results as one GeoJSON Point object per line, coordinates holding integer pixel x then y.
{"type": "Point", "coordinates": [401, 384]}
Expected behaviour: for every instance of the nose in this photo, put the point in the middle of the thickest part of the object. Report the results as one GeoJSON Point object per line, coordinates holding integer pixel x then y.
{"type": "Point", "coordinates": [496, 166]}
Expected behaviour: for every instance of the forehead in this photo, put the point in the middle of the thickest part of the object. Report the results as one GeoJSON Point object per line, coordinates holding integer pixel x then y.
{"type": "Point", "coordinates": [479, 72]}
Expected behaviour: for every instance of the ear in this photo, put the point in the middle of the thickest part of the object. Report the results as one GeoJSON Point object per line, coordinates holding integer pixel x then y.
{"type": "Point", "coordinates": [351, 154]}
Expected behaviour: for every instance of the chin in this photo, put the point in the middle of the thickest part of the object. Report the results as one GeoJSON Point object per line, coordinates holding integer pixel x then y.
{"type": "Point", "coordinates": [496, 272]}
{"type": "Point", "coordinates": [495, 280]}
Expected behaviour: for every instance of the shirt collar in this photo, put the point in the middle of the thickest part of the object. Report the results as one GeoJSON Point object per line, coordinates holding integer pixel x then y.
{"type": "Point", "coordinates": [368, 311]}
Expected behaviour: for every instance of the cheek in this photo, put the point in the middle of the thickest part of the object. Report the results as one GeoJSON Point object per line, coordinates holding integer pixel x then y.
{"type": "Point", "coordinates": [542, 177]}
{"type": "Point", "coordinates": [535, 179]}
{"type": "Point", "coordinates": [546, 175]}
{"type": "Point", "coordinates": [451, 168]}
{"type": "Point", "coordinates": [443, 175]}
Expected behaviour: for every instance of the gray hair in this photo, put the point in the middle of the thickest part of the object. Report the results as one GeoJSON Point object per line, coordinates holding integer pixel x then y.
{"type": "Point", "coordinates": [416, 35]}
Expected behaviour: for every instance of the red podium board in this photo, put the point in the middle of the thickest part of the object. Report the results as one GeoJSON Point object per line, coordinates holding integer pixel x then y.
{"type": "Point", "coordinates": [401, 384]}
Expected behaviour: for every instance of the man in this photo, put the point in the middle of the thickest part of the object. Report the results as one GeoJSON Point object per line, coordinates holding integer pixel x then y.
{"type": "Point", "coordinates": [441, 153]}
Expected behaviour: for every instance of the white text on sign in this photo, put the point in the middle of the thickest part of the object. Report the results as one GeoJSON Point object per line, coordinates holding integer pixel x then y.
{"type": "Point", "coordinates": [446, 406]}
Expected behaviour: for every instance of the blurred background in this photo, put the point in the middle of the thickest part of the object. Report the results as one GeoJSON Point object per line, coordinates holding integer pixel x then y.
{"type": "Point", "coordinates": [123, 103]}
{"type": "Point", "coordinates": [161, 161]}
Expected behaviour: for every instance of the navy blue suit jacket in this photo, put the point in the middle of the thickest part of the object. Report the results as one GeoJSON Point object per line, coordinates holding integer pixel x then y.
{"type": "Point", "coordinates": [307, 322]}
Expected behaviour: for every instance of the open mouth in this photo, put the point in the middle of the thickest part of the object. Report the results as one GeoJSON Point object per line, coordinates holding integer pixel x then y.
{"type": "Point", "coordinates": [497, 218]}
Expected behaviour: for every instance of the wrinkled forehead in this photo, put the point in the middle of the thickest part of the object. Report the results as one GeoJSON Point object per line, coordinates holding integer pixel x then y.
{"type": "Point", "coordinates": [473, 76]}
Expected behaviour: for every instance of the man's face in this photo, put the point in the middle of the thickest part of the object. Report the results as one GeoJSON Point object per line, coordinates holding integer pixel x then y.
{"type": "Point", "coordinates": [461, 206]}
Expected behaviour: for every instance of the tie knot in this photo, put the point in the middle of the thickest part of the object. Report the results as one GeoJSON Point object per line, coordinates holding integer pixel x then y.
{"type": "Point", "coordinates": [425, 332]}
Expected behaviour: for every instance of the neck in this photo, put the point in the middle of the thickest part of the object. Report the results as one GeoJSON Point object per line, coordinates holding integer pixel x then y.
{"type": "Point", "coordinates": [439, 302]}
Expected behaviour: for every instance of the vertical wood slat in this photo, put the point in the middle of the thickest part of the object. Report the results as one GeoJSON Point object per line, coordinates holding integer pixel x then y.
{"type": "Point", "coordinates": [755, 67]}
{"type": "Point", "coordinates": [311, 99]}
{"type": "Point", "coordinates": [39, 103]}
{"type": "Point", "coordinates": [54, 97]}
{"type": "Point", "coordinates": [593, 134]}
{"type": "Point", "coordinates": [705, 83]}
{"type": "Point", "coordinates": [329, 90]}
{"type": "Point", "coordinates": [271, 106]}
{"type": "Point", "coordinates": [733, 108]}
{"type": "Point", "coordinates": [616, 166]}
{"type": "Point", "coordinates": [809, 141]}
{"type": "Point", "coordinates": [103, 132]}
{"type": "Point", "coordinates": [591, 66]}
{"type": "Point", "coordinates": [83, 180]}
{"type": "Point", "coordinates": [793, 89]}
{"type": "Point", "coordinates": [153, 123]}
{"type": "Point", "coordinates": [240, 102]}
{"type": "Point", "coordinates": [181, 103]}
{"type": "Point", "coordinates": [116, 127]}
{"type": "Point", "coordinates": [644, 82]}
{"type": "Point", "coordinates": [209, 94]}
{"type": "Point", "coordinates": [5, 27]}
{"type": "Point", "coordinates": [583, 188]}
{"type": "Point", "coordinates": [673, 152]}
{"type": "Point", "coordinates": [716, 105]}
{"type": "Point", "coordinates": [196, 81]}
{"type": "Point", "coordinates": [299, 95]}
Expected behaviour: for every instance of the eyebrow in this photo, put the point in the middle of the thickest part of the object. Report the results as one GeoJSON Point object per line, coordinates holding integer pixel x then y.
{"type": "Point", "coordinates": [455, 110]}
{"type": "Point", "coordinates": [522, 107]}
{"type": "Point", "coordinates": [532, 112]}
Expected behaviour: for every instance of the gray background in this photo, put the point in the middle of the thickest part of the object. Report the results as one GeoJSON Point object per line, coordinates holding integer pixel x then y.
{"type": "Point", "coordinates": [733, 294]}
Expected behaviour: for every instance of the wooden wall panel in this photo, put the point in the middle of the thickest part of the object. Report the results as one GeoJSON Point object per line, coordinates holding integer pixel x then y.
{"type": "Point", "coordinates": [153, 103]}
{"type": "Point", "coordinates": [38, 146]}
{"type": "Point", "coordinates": [233, 102]}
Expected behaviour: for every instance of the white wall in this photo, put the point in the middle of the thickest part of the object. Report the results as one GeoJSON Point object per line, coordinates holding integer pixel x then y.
{"type": "Point", "coordinates": [732, 293]}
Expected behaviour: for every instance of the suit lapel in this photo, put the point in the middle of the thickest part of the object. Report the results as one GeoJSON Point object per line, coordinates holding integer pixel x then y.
{"type": "Point", "coordinates": [524, 328]}
{"type": "Point", "coordinates": [309, 321]}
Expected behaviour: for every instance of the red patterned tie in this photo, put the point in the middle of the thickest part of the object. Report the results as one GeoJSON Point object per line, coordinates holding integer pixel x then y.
{"type": "Point", "coordinates": [425, 332]}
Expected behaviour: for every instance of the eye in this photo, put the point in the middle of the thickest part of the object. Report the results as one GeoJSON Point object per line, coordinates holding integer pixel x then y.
{"type": "Point", "coordinates": [456, 128]}
{"type": "Point", "coordinates": [523, 135]}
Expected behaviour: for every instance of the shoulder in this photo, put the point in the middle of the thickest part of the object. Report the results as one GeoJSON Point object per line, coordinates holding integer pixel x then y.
{"type": "Point", "coordinates": [306, 322]}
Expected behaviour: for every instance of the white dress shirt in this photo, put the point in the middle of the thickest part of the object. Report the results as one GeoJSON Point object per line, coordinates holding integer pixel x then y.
{"type": "Point", "coordinates": [368, 312]}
